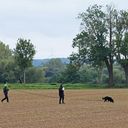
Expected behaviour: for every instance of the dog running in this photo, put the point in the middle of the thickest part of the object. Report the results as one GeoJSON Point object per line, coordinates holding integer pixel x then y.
{"type": "Point", "coordinates": [108, 98]}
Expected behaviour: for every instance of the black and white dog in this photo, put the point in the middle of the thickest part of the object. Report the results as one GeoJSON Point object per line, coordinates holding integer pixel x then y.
{"type": "Point", "coordinates": [108, 98]}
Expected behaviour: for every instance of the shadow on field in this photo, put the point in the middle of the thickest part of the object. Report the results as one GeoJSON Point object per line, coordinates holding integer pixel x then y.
{"type": "Point", "coordinates": [94, 100]}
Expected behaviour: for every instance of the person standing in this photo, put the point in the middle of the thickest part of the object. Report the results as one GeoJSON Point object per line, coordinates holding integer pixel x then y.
{"type": "Point", "coordinates": [61, 94]}
{"type": "Point", "coordinates": [5, 91]}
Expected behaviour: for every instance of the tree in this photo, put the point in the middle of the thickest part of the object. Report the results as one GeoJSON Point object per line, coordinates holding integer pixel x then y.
{"type": "Point", "coordinates": [6, 63]}
{"type": "Point", "coordinates": [121, 41]}
{"type": "Point", "coordinates": [5, 51]}
{"type": "Point", "coordinates": [109, 59]}
{"type": "Point", "coordinates": [70, 74]}
{"type": "Point", "coordinates": [24, 53]}
{"type": "Point", "coordinates": [95, 42]}
{"type": "Point", "coordinates": [88, 74]}
{"type": "Point", "coordinates": [35, 75]}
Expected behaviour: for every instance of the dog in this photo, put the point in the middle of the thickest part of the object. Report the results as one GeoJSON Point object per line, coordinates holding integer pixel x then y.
{"type": "Point", "coordinates": [108, 98]}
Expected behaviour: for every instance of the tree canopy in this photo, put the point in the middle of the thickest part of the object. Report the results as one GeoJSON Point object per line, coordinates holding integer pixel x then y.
{"type": "Point", "coordinates": [96, 42]}
{"type": "Point", "coordinates": [24, 53]}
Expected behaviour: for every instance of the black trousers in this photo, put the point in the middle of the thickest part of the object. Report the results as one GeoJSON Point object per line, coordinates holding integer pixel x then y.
{"type": "Point", "coordinates": [61, 100]}
{"type": "Point", "coordinates": [5, 98]}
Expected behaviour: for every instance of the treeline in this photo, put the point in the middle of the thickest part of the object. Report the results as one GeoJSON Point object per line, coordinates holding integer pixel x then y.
{"type": "Point", "coordinates": [53, 71]}
{"type": "Point", "coordinates": [56, 71]}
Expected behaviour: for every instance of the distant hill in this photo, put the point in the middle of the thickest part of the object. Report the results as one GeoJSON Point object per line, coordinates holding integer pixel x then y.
{"type": "Point", "coordinates": [41, 62]}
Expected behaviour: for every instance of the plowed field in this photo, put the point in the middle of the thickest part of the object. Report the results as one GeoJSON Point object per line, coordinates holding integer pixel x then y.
{"type": "Point", "coordinates": [83, 109]}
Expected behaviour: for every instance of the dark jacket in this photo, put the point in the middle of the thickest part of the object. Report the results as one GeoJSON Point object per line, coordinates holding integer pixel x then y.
{"type": "Point", "coordinates": [61, 91]}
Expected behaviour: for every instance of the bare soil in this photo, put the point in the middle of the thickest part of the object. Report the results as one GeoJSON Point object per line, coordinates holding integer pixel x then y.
{"type": "Point", "coordinates": [83, 109]}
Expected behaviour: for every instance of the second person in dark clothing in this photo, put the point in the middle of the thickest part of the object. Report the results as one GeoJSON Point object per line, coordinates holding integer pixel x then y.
{"type": "Point", "coordinates": [61, 94]}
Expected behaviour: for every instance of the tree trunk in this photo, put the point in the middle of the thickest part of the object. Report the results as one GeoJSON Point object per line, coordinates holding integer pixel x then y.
{"type": "Point", "coordinates": [109, 65]}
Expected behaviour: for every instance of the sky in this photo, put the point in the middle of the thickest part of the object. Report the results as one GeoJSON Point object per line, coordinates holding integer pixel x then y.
{"type": "Point", "coordinates": [51, 25]}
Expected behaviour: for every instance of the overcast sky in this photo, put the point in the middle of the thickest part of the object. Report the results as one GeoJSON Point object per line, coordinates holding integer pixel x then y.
{"type": "Point", "coordinates": [51, 25]}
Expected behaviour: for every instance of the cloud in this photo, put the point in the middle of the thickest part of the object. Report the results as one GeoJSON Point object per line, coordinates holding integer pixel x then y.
{"type": "Point", "coordinates": [50, 24]}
